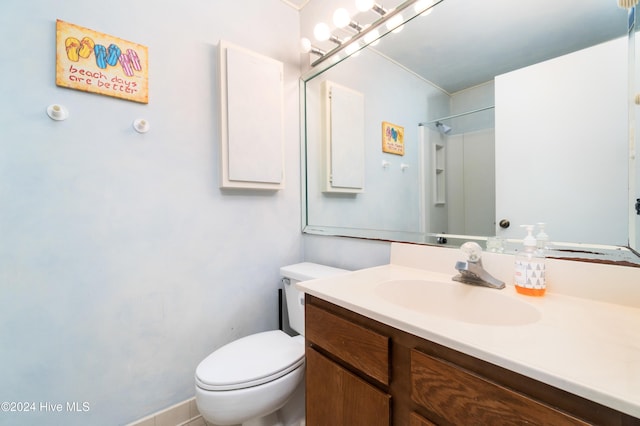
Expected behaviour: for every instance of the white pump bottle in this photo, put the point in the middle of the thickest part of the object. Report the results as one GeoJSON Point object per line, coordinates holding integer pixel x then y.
{"type": "Point", "coordinates": [530, 268]}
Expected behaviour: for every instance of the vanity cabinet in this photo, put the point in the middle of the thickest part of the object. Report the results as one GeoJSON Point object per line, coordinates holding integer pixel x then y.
{"type": "Point", "coordinates": [341, 397]}
{"type": "Point", "coordinates": [347, 372]}
{"type": "Point", "coordinates": [363, 372]}
{"type": "Point", "coordinates": [455, 394]}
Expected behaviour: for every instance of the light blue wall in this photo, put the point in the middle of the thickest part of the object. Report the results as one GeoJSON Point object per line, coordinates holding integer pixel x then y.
{"type": "Point", "coordinates": [122, 264]}
{"type": "Point", "coordinates": [347, 253]}
{"type": "Point", "coordinates": [391, 198]}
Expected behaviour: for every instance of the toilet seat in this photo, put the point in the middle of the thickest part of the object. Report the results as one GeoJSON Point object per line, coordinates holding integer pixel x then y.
{"type": "Point", "coordinates": [251, 361]}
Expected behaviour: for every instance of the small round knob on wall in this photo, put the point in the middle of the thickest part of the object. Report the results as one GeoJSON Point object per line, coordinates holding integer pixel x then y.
{"type": "Point", "coordinates": [57, 112]}
{"type": "Point", "coordinates": [141, 125]}
{"type": "Point", "coordinates": [504, 224]}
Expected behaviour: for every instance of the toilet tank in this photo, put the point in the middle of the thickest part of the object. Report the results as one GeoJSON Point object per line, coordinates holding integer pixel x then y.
{"type": "Point", "coordinates": [295, 298]}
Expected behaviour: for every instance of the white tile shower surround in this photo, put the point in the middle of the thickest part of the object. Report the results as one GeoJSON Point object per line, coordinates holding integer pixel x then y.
{"type": "Point", "coordinates": [182, 414]}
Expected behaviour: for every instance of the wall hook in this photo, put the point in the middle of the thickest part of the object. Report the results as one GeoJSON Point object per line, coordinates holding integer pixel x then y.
{"type": "Point", "coordinates": [404, 167]}
{"type": "Point", "coordinates": [141, 125]}
{"type": "Point", "coordinates": [57, 112]}
{"type": "Point", "coordinates": [385, 164]}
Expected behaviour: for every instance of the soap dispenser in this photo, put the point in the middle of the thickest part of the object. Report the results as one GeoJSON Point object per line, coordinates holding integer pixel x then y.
{"type": "Point", "coordinates": [542, 240]}
{"type": "Point", "coordinates": [529, 277]}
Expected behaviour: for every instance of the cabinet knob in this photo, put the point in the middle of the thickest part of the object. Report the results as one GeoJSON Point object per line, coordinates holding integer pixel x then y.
{"type": "Point", "coordinates": [504, 224]}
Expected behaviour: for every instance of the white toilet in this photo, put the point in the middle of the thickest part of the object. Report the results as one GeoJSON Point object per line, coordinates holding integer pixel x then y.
{"type": "Point", "coordinates": [249, 380]}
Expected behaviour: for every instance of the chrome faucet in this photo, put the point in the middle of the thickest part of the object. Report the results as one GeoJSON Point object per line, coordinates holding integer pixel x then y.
{"type": "Point", "coordinates": [472, 271]}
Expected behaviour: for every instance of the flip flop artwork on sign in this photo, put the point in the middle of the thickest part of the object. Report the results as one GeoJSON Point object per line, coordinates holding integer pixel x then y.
{"type": "Point", "coordinates": [94, 62]}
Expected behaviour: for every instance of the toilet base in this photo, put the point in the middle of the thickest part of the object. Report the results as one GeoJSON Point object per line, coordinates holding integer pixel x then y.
{"type": "Point", "coordinates": [291, 414]}
{"type": "Point", "coordinates": [272, 419]}
{"type": "Point", "coordinates": [284, 395]}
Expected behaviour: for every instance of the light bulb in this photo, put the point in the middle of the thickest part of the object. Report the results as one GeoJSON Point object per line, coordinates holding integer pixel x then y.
{"type": "Point", "coordinates": [395, 23]}
{"type": "Point", "coordinates": [371, 37]}
{"type": "Point", "coordinates": [305, 44]}
{"type": "Point", "coordinates": [321, 32]}
{"type": "Point", "coordinates": [364, 5]}
{"type": "Point", "coordinates": [422, 6]}
{"type": "Point", "coordinates": [352, 48]}
{"type": "Point", "coordinates": [341, 17]}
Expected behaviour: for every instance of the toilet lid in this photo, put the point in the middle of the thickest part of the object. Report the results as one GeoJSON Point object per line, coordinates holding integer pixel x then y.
{"type": "Point", "coordinates": [251, 361]}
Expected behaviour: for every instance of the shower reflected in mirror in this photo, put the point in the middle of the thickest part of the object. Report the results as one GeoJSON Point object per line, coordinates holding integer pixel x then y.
{"type": "Point", "coordinates": [443, 128]}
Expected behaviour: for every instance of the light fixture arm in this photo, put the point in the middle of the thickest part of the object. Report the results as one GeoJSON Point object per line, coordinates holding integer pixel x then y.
{"type": "Point", "coordinates": [317, 51]}
{"type": "Point", "coordinates": [355, 26]}
{"type": "Point", "coordinates": [379, 9]}
{"type": "Point", "coordinates": [336, 40]}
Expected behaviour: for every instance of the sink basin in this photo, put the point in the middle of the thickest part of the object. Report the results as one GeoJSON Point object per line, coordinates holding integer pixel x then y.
{"type": "Point", "coordinates": [461, 302]}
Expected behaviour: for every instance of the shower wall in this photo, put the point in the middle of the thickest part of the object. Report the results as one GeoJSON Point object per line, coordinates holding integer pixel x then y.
{"type": "Point", "coordinates": [471, 191]}
{"type": "Point", "coordinates": [470, 165]}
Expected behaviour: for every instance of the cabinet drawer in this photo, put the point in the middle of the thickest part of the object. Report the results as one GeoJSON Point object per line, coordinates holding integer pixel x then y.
{"type": "Point", "coordinates": [359, 347]}
{"type": "Point", "coordinates": [417, 420]}
{"type": "Point", "coordinates": [335, 396]}
{"type": "Point", "coordinates": [457, 395]}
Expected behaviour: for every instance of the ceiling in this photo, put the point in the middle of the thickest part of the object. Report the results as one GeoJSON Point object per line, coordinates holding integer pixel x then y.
{"type": "Point", "coordinates": [296, 4]}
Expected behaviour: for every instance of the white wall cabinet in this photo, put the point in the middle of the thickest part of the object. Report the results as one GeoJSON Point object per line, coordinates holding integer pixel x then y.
{"type": "Point", "coordinates": [251, 122]}
{"type": "Point", "coordinates": [343, 139]}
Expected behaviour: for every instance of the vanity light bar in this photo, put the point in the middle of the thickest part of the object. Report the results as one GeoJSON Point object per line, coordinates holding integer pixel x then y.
{"type": "Point", "coordinates": [353, 44]}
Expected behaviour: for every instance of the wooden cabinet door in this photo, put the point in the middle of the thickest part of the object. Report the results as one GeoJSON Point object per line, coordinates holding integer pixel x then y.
{"type": "Point", "coordinates": [462, 397]}
{"type": "Point", "coordinates": [417, 420]}
{"type": "Point", "coordinates": [337, 397]}
{"type": "Point", "coordinates": [361, 348]}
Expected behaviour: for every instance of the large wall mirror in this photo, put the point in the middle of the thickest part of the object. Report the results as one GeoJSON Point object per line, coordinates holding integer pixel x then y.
{"type": "Point", "coordinates": [475, 119]}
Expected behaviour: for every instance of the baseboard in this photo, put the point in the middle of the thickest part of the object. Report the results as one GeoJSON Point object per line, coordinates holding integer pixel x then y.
{"type": "Point", "coordinates": [184, 413]}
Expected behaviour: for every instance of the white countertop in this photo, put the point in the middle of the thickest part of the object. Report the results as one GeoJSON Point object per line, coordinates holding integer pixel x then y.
{"type": "Point", "coordinates": [585, 347]}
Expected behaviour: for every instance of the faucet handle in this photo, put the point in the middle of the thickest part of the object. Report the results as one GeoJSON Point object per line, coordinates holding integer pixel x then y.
{"type": "Point", "coordinates": [472, 250]}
